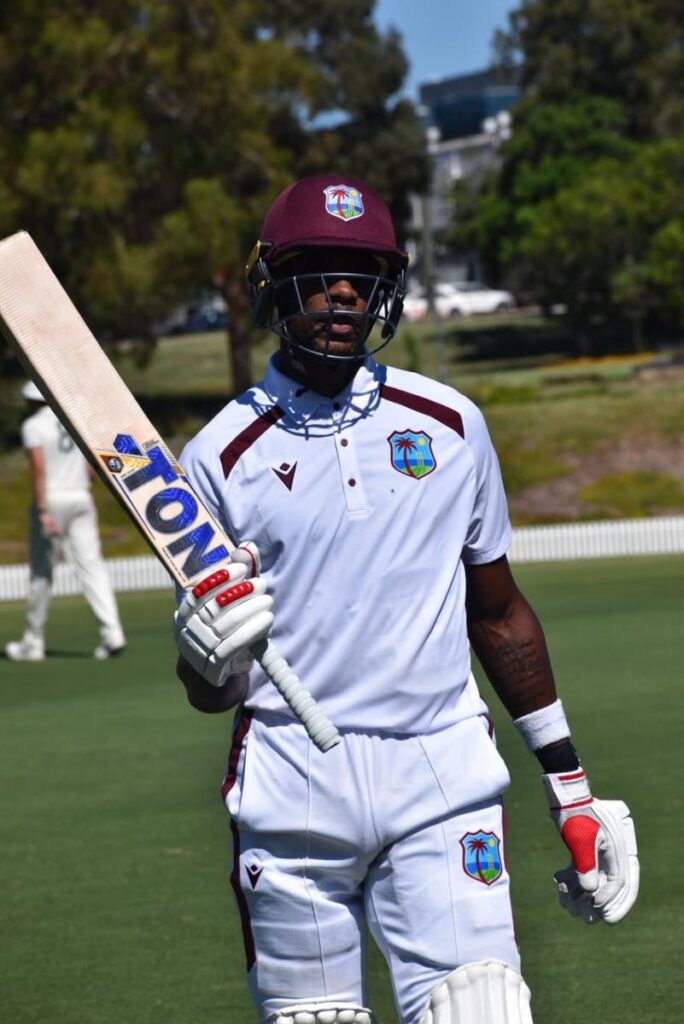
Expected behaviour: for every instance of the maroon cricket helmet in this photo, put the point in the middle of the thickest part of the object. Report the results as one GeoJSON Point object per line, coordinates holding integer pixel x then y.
{"type": "Point", "coordinates": [326, 211]}
{"type": "Point", "coordinates": [330, 210]}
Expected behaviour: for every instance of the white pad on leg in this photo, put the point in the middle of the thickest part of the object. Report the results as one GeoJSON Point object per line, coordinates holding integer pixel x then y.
{"type": "Point", "coordinates": [323, 1013]}
{"type": "Point", "coordinates": [489, 992]}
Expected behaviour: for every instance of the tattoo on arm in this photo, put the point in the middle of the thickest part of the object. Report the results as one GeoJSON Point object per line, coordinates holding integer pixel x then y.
{"type": "Point", "coordinates": [519, 661]}
{"type": "Point", "coordinates": [513, 653]}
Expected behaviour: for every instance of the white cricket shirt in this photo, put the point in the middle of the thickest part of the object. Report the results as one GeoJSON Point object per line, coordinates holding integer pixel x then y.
{"type": "Point", "coordinates": [66, 470]}
{"type": "Point", "coordinates": [364, 508]}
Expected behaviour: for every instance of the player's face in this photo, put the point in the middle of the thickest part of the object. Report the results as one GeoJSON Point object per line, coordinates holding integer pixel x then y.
{"type": "Point", "coordinates": [334, 287]}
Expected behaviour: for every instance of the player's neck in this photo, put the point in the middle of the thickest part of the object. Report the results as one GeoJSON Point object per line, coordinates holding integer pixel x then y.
{"type": "Point", "coordinates": [325, 377]}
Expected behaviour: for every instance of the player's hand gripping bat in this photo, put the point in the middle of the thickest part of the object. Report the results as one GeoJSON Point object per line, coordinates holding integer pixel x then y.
{"type": "Point", "coordinates": [81, 385]}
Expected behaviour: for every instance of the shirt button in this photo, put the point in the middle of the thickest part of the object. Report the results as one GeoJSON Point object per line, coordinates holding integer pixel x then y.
{"type": "Point", "coordinates": [352, 482]}
{"type": "Point", "coordinates": [344, 442]}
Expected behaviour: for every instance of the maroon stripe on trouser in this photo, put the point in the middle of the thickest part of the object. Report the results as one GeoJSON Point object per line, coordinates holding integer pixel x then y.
{"type": "Point", "coordinates": [247, 937]}
{"type": "Point", "coordinates": [246, 438]}
{"type": "Point", "coordinates": [449, 417]}
{"type": "Point", "coordinates": [233, 760]}
{"type": "Point", "coordinates": [241, 731]}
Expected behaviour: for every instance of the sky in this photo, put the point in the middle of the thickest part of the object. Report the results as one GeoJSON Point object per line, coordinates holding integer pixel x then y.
{"type": "Point", "coordinates": [442, 38]}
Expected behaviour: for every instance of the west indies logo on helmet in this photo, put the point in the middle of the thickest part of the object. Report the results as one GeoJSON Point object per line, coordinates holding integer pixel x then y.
{"type": "Point", "coordinates": [343, 201]}
{"type": "Point", "coordinates": [310, 230]}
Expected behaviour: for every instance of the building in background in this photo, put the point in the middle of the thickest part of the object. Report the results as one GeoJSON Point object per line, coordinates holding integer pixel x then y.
{"type": "Point", "coordinates": [459, 106]}
{"type": "Point", "coordinates": [465, 118]}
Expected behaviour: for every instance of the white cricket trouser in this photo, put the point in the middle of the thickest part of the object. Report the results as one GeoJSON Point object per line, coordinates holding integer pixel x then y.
{"type": "Point", "coordinates": [404, 834]}
{"type": "Point", "coordinates": [79, 541]}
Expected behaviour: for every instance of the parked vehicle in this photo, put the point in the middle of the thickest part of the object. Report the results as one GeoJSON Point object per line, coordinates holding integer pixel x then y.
{"type": "Point", "coordinates": [463, 298]}
{"type": "Point", "coordinates": [204, 314]}
{"type": "Point", "coordinates": [415, 306]}
{"type": "Point", "coordinates": [468, 297]}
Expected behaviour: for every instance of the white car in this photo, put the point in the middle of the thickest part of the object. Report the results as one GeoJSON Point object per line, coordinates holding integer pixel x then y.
{"type": "Point", "coordinates": [462, 299]}
{"type": "Point", "coordinates": [468, 297]}
{"type": "Point", "coordinates": [415, 306]}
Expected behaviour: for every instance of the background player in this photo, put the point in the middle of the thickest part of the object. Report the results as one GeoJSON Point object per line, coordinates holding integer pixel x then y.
{"type": "Point", "coordinates": [379, 523]}
{"type": "Point", "coordinates": [62, 519]}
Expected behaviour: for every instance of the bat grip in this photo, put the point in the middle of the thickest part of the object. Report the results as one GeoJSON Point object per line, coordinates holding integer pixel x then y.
{"type": "Point", "coordinates": [320, 729]}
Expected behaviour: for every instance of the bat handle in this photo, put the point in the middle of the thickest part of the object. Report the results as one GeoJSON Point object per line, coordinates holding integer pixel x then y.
{"type": "Point", "coordinates": [320, 729]}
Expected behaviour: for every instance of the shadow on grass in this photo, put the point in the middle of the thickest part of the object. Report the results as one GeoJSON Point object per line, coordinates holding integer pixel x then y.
{"type": "Point", "coordinates": [511, 340]}
{"type": "Point", "coordinates": [168, 411]}
{"type": "Point", "coordinates": [49, 655]}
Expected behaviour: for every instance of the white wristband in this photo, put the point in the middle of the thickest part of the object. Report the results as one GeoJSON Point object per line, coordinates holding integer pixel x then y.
{"type": "Point", "coordinates": [547, 725]}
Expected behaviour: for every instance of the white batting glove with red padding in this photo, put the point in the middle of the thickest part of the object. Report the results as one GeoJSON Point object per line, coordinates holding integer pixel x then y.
{"type": "Point", "coordinates": [602, 882]}
{"type": "Point", "coordinates": [223, 616]}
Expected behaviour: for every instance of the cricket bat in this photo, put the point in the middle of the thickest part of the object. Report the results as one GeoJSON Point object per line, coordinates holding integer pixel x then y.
{"type": "Point", "coordinates": [85, 391]}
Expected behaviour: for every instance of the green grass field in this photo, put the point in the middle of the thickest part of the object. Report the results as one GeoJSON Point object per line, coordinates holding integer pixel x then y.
{"type": "Point", "coordinates": [115, 902]}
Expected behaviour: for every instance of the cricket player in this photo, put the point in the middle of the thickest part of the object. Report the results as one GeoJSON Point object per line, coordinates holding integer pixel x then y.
{"type": "Point", "coordinates": [378, 531]}
{"type": "Point", "coordinates": [62, 519]}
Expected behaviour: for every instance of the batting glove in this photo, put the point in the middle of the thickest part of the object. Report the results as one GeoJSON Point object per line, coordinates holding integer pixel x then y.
{"type": "Point", "coordinates": [602, 881]}
{"type": "Point", "coordinates": [223, 616]}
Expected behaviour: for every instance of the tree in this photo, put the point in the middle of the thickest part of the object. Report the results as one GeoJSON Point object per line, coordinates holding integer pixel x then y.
{"type": "Point", "coordinates": [550, 148]}
{"type": "Point", "coordinates": [362, 128]}
{"type": "Point", "coordinates": [601, 83]}
{"type": "Point", "coordinates": [629, 51]}
{"type": "Point", "coordinates": [141, 142]}
{"type": "Point", "coordinates": [405, 445]}
{"type": "Point", "coordinates": [137, 145]}
{"type": "Point", "coordinates": [616, 240]}
{"type": "Point", "coordinates": [478, 847]}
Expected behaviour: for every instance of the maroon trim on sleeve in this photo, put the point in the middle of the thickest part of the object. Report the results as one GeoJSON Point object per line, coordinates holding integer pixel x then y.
{"type": "Point", "coordinates": [246, 438]}
{"type": "Point", "coordinates": [449, 417]}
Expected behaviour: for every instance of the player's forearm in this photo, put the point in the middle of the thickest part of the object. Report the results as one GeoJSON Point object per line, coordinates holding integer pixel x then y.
{"type": "Point", "coordinates": [512, 651]}
{"type": "Point", "coordinates": [205, 697]}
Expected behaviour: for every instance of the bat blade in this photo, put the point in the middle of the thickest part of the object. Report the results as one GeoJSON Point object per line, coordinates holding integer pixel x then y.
{"type": "Point", "coordinates": [85, 391]}
{"type": "Point", "coordinates": [83, 388]}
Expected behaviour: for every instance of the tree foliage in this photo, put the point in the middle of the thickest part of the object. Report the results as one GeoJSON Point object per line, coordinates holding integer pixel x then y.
{"type": "Point", "coordinates": [618, 236]}
{"type": "Point", "coordinates": [142, 140]}
{"type": "Point", "coordinates": [626, 50]}
{"type": "Point", "coordinates": [584, 208]}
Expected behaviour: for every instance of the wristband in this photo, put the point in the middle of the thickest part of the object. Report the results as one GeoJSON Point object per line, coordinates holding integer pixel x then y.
{"type": "Point", "coordinates": [547, 725]}
{"type": "Point", "coordinates": [558, 757]}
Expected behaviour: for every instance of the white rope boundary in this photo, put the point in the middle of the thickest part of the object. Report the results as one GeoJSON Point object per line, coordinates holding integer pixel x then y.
{"type": "Point", "coordinates": [560, 542]}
